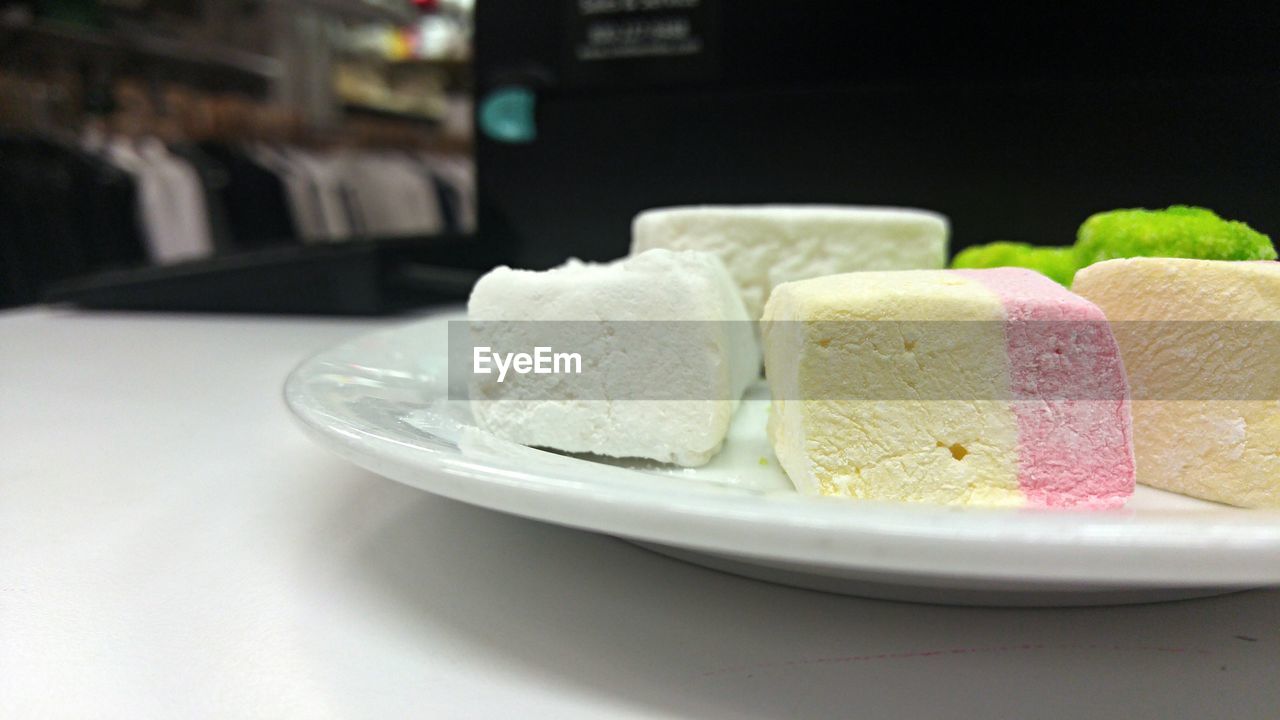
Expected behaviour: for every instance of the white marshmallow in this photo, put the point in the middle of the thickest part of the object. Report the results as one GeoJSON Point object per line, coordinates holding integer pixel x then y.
{"type": "Point", "coordinates": [700, 369]}
{"type": "Point", "coordinates": [766, 245]}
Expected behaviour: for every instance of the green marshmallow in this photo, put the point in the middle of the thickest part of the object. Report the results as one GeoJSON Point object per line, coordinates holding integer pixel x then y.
{"type": "Point", "coordinates": [1180, 231]}
{"type": "Point", "coordinates": [1058, 263]}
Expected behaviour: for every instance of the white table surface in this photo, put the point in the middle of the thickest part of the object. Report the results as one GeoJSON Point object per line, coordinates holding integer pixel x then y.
{"type": "Point", "coordinates": [171, 546]}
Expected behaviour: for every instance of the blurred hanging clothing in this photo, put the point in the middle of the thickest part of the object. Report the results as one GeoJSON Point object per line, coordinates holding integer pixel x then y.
{"type": "Point", "coordinates": [64, 212]}
{"type": "Point", "coordinates": [172, 206]}
{"type": "Point", "coordinates": [334, 203]}
{"type": "Point", "coordinates": [213, 182]}
{"type": "Point", "coordinates": [255, 199]}
{"type": "Point", "coordinates": [392, 196]}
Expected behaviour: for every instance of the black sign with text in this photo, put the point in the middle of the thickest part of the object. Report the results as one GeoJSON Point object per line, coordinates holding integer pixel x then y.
{"type": "Point", "coordinates": [640, 42]}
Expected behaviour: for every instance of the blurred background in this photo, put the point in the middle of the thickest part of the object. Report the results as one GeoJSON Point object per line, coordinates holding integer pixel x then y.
{"type": "Point", "coordinates": [366, 156]}
{"type": "Point", "coordinates": [242, 154]}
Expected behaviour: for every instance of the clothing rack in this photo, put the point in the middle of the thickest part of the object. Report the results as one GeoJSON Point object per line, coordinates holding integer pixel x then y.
{"type": "Point", "coordinates": [176, 175]}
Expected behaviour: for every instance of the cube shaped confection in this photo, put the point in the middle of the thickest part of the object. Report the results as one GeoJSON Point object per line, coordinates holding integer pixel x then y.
{"type": "Point", "coordinates": [990, 387]}
{"type": "Point", "coordinates": [1200, 341]}
{"type": "Point", "coordinates": [665, 353]}
{"type": "Point", "coordinates": [765, 245]}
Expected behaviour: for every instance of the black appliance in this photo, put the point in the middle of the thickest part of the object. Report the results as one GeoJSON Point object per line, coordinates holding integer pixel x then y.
{"type": "Point", "coordinates": [1015, 121]}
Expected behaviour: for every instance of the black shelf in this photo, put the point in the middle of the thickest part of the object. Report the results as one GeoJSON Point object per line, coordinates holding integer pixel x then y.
{"type": "Point", "coordinates": [47, 36]}
{"type": "Point", "coordinates": [360, 110]}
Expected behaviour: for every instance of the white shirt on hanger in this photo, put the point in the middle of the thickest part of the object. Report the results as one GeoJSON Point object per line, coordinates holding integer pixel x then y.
{"type": "Point", "coordinates": [299, 190]}
{"type": "Point", "coordinates": [325, 171]}
{"type": "Point", "coordinates": [154, 203]}
{"type": "Point", "coordinates": [190, 236]}
{"type": "Point", "coordinates": [392, 196]}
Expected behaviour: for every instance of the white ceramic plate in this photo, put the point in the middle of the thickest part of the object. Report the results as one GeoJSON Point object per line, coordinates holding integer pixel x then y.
{"type": "Point", "coordinates": [381, 402]}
